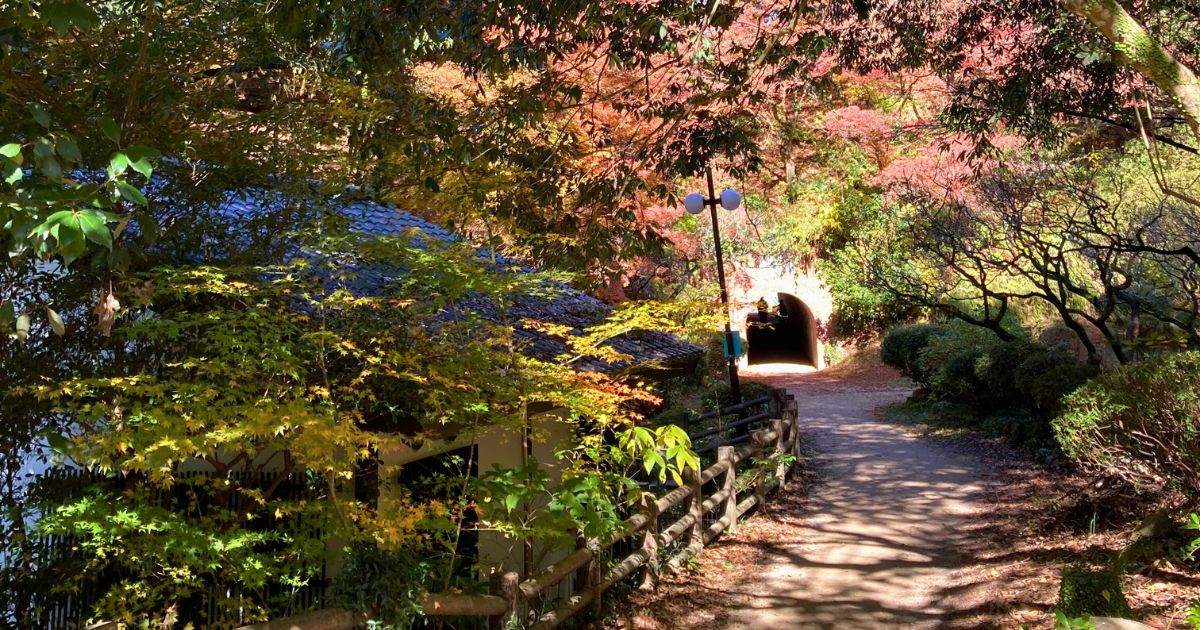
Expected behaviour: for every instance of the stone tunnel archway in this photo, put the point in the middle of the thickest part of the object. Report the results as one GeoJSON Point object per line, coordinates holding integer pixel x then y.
{"type": "Point", "coordinates": [786, 335]}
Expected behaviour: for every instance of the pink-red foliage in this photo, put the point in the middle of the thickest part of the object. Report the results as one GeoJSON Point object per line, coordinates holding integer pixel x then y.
{"type": "Point", "coordinates": [943, 168]}
{"type": "Point", "coordinates": [856, 124]}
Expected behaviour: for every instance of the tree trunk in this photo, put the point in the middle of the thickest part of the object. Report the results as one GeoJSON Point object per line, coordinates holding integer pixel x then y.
{"type": "Point", "coordinates": [1139, 50]}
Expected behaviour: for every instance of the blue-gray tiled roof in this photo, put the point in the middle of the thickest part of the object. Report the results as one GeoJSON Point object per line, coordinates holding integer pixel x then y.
{"type": "Point", "coordinates": [562, 305]}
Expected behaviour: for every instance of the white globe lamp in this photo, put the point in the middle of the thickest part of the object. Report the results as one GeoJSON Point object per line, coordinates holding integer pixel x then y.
{"type": "Point", "coordinates": [730, 199]}
{"type": "Point", "coordinates": [694, 203]}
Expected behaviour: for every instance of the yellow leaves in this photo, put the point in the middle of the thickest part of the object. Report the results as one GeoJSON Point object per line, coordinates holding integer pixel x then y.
{"type": "Point", "coordinates": [249, 382]}
{"type": "Point", "coordinates": [399, 522]}
{"type": "Point", "coordinates": [549, 328]}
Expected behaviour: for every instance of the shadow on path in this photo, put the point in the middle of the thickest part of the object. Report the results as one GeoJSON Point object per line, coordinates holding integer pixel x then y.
{"type": "Point", "coordinates": [882, 528]}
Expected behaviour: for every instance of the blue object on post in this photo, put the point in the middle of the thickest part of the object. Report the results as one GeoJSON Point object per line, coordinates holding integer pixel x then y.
{"type": "Point", "coordinates": [736, 338]}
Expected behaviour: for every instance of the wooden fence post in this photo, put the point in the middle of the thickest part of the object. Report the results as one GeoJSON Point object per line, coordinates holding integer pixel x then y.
{"type": "Point", "coordinates": [781, 466]}
{"type": "Point", "coordinates": [728, 483]}
{"type": "Point", "coordinates": [594, 581]}
{"type": "Point", "coordinates": [649, 571]}
{"type": "Point", "coordinates": [695, 509]}
{"type": "Point", "coordinates": [760, 472]}
{"type": "Point", "coordinates": [507, 585]}
{"type": "Point", "coordinates": [791, 413]}
{"type": "Point", "coordinates": [582, 575]}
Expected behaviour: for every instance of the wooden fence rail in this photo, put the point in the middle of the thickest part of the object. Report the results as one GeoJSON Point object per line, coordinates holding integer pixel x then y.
{"type": "Point", "coordinates": [511, 599]}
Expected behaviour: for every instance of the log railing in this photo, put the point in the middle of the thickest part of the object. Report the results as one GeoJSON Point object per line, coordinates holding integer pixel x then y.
{"type": "Point", "coordinates": [512, 599]}
{"type": "Point", "coordinates": [738, 418]}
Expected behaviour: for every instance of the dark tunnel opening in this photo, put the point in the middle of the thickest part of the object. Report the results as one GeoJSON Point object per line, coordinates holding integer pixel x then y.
{"type": "Point", "coordinates": [785, 335]}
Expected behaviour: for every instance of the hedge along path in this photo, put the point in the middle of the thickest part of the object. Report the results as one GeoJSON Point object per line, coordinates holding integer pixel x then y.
{"type": "Point", "coordinates": [887, 526]}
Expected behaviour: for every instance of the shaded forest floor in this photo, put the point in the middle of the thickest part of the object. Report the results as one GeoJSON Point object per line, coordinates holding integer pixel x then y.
{"type": "Point", "coordinates": [1023, 524]}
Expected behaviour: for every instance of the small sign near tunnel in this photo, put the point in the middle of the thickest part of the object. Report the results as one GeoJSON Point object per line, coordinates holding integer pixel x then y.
{"type": "Point", "coordinates": [736, 352]}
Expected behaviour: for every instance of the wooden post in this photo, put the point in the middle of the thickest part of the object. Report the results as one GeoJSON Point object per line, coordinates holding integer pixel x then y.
{"type": "Point", "coordinates": [728, 483]}
{"type": "Point", "coordinates": [781, 467]}
{"type": "Point", "coordinates": [791, 414]}
{"type": "Point", "coordinates": [760, 473]}
{"type": "Point", "coordinates": [649, 571]}
{"type": "Point", "coordinates": [695, 508]}
{"type": "Point", "coordinates": [507, 585]}
{"type": "Point", "coordinates": [582, 576]}
{"type": "Point", "coordinates": [594, 582]}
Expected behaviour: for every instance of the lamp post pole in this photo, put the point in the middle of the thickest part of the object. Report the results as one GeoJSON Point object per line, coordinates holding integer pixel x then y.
{"type": "Point", "coordinates": [730, 200]}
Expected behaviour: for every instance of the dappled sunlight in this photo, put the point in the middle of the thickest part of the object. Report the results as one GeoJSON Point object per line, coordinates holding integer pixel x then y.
{"type": "Point", "coordinates": [878, 539]}
{"type": "Point", "coordinates": [882, 528]}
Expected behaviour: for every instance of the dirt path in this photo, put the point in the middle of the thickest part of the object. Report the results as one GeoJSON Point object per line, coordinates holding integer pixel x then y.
{"type": "Point", "coordinates": [876, 536]}
{"type": "Point", "coordinates": [890, 527]}
{"type": "Point", "coordinates": [884, 519]}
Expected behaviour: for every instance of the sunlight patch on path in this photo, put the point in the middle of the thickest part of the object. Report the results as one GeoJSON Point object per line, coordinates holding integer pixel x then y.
{"type": "Point", "coordinates": [885, 519]}
{"type": "Point", "coordinates": [770, 369]}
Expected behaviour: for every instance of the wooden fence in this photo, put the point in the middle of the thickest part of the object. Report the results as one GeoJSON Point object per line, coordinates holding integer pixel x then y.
{"type": "Point", "coordinates": [731, 424]}
{"type": "Point", "coordinates": [718, 491]}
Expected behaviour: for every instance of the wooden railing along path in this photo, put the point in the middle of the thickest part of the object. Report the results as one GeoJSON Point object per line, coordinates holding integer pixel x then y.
{"type": "Point", "coordinates": [512, 599]}
{"type": "Point", "coordinates": [738, 419]}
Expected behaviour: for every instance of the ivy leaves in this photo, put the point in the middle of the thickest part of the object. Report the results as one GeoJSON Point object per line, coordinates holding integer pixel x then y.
{"type": "Point", "coordinates": [56, 208]}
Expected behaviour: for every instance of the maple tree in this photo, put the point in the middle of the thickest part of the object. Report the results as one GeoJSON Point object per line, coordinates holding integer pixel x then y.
{"type": "Point", "coordinates": [278, 383]}
{"type": "Point", "coordinates": [1034, 62]}
{"type": "Point", "coordinates": [560, 133]}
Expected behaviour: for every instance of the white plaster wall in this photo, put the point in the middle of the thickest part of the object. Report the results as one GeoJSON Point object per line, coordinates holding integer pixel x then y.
{"type": "Point", "coordinates": [504, 446]}
{"type": "Point", "coordinates": [766, 281]}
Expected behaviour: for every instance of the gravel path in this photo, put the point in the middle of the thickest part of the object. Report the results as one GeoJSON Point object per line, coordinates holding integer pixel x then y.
{"type": "Point", "coordinates": [884, 518]}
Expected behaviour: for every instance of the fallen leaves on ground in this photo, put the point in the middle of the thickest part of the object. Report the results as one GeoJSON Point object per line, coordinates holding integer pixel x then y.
{"type": "Point", "coordinates": [699, 596]}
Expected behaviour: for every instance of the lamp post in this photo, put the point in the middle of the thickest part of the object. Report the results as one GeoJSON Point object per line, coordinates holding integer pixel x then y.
{"type": "Point", "coordinates": [730, 199]}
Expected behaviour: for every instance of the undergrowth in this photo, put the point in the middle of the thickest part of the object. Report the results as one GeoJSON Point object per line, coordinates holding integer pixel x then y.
{"type": "Point", "coordinates": [1013, 427]}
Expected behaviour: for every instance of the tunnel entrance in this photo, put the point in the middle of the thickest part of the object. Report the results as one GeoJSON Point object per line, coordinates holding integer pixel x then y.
{"type": "Point", "coordinates": [785, 334]}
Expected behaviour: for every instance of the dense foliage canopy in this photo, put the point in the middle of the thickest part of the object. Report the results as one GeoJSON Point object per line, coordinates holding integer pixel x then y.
{"type": "Point", "coordinates": [1023, 166]}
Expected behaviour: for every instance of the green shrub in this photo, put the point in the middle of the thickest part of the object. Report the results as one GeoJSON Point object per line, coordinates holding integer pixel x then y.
{"type": "Point", "coordinates": [1045, 377]}
{"type": "Point", "coordinates": [835, 353]}
{"type": "Point", "coordinates": [949, 359]}
{"type": "Point", "coordinates": [1140, 422]}
{"type": "Point", "coordinates": [1097, 593]}
{"type": "Point", "coordinates": [956, 379]}
{"type": "Point", "coordinates": [996, 369]}
{"type": "Point", "coordinates": [1013, 388]}
{"type": "Point", "coordinates": [1022, 428]}
{"type": "Point", "coordinates": [388, 585]}
{"type": "Point", "coordinates": [902, 347]}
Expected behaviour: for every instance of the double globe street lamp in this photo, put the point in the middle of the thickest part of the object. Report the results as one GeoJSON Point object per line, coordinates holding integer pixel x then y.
{"type": "Point", "coordinates": [730, 199]}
